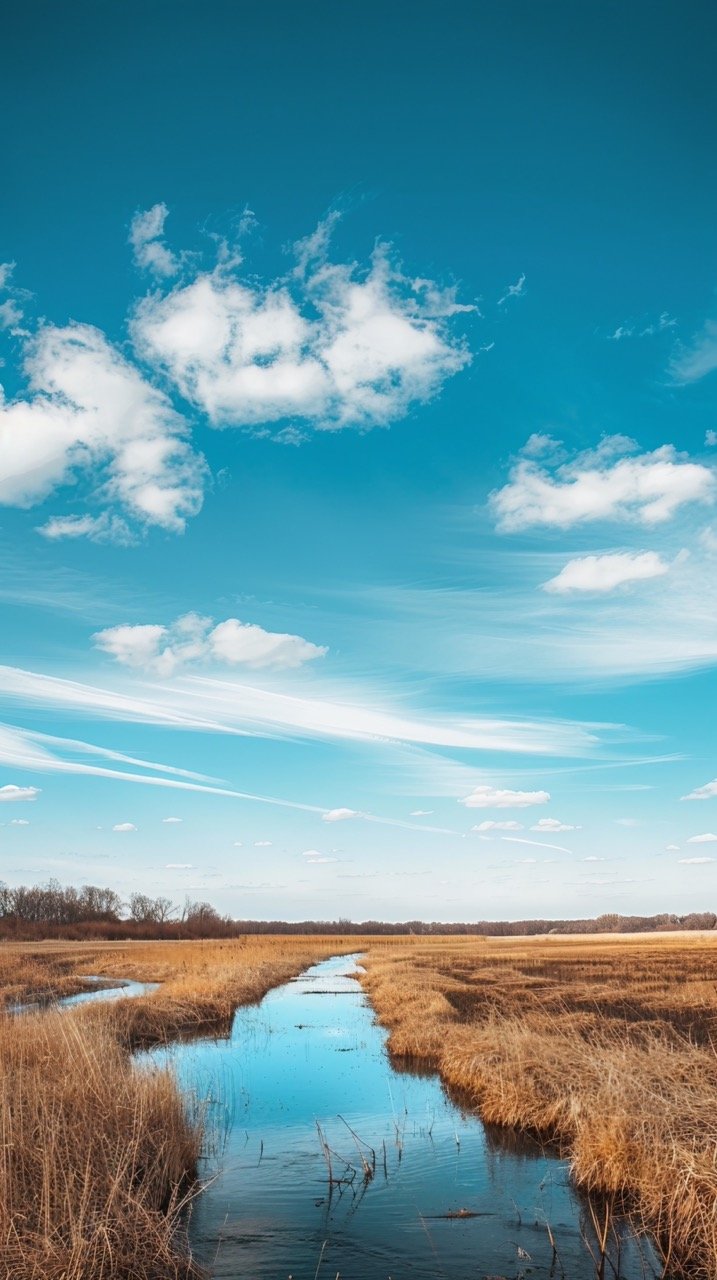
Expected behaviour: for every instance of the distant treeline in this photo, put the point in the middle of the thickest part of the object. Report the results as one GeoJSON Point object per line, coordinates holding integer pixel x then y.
{"type": "Point", "coordinates": [52, 910]}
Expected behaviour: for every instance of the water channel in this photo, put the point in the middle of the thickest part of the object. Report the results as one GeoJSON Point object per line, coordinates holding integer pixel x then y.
{"type": "Point", "coordinates": [446, 1198]}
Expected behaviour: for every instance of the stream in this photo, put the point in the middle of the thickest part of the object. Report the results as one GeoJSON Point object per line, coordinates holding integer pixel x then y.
{"type": "Point", "coordinates": [311, 1052]}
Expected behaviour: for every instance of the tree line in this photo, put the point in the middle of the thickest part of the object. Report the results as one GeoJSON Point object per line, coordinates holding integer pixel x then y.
{"type": "Point", "coordinates": [54, 910]}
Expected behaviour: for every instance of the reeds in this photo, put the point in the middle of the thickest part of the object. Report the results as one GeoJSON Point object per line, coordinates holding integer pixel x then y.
{"type": "Point", "coordinates": [604, 1049]}
{"type": "Point", "coordinates": [99, 1156]}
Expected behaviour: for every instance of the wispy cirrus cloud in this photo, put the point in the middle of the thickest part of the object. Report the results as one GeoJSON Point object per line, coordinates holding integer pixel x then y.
{"type": "Point", "coordinates": [222, 706]}
{"type": "Point", "coordinates": [697, 358]}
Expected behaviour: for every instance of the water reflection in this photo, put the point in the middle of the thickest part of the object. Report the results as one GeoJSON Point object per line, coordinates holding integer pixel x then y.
{"type": "Point", "coordinates": [335, 1163]}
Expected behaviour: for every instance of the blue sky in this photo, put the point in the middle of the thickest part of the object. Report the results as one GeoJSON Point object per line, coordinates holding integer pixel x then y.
{"type": "Point", "coordinates": [358, 456]}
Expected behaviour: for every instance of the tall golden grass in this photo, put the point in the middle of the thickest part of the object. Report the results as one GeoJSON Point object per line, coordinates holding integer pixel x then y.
{"type": "Point", "coordinates": [603, 1046]}
{"type": "Point", "coordinates": [99, 1158]}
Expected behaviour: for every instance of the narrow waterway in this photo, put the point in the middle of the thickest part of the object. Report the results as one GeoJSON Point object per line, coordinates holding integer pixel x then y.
{"type": "Point", "coordinates": [422, 1190]}
{"type": "Point", "coordinates": [98, 989]}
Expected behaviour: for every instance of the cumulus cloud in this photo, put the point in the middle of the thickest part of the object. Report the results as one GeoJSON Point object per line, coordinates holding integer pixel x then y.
{"type": "Point", "coordinates": [193, 638]}
{"type": "Point", "coordinates": [487, 797]}
{"type": "Point", "coordinates": [489, 825]}
{"type": "Point", "coordinates": [672, 848]}
{"type": "Point", "coordinates": [694, 862]}
{"type": "Point", "coordinates": [340, 815]}
{"type": "Point", "coordinates": [707, 792]}
{"type": "Point", "coordinates": [11, 792]}
{"type": "Point", "coordinates": [611, 482]}
{"type": "Point", "coordinates": [146, 235]}
{"type": "Point", "coordinates": [553, 824]}
{"type": "Point", "coordinates": [172, 819]}
{"type": "Point", "coordinates": [607, 572]}
{"type": "Point", "coordinates": [707, 837]}
{"type": "Point", "coordinates": [421, 813]}
{"type": "Point", "coordinates": [124, 826]}
{"type": "Point", "coordinates": [330, 344]}
{"type": "Point", "coordinates": [19, 822]}
{"type": "Point", "coordinates": [90, 412]}
{"type": "Point", "coordinates": [262, 844]}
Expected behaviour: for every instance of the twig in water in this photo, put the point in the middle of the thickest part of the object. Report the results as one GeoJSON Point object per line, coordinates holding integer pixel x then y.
{"type": "Point", "coordinates": [321, 1256]}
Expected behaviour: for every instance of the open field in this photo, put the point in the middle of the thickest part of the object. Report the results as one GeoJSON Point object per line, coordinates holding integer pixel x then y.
{"type": "Point", "coordinates": [604, 1045]}
{"type": "Point", "coordinates": [601, 1044]}
{"type": "Point", "coordinates": [99, 1159]}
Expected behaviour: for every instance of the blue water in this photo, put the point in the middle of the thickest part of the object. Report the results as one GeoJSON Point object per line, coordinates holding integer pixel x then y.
{"type": "Point", "coordinates": [311, 1051]}
{"type": "Point", "coordinates": [123, 990]}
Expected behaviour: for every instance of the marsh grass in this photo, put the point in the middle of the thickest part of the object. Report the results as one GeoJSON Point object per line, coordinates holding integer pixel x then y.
{"type": "Point", "coordinates": [602, 1047]}
{"type": "Point", "coordinates": [99, 1158]}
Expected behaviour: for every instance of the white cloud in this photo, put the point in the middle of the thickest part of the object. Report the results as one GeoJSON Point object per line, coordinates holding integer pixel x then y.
{"type": "Point", "coordinates": [19, 822]}
{"type": "Point", "coordinates": [606, 572]}
{"type": "Point", "coordinates": [107, 527]}
{"type": "Point", "coordinates": [672, 848]}
{"type": "Point", "coordinates": [627, 822]}
{"type": "Point", "coordinates": [124, 826]}
{"type": "Point", "coordinates": [193, 638]}
{"type": "Point", "coordinates": [513, 291]}
{"type": "Point", "coordinates": [707, 792]}
{"type": "Point", "coordinates": [487, 797]}
{"type": "Point", "coordinates": [11, 792]}
{"type": "Point", "coordinates": [611, 482]}
{"type": "Point", "coordinates": [694, 862]}
{"type": "Point", "coordinates": [541, 844]}
{"type": "Point", "coordinates": [206, 703]}
{"type": "Point", "coordinates": [6, 270]}
{"type": "Point", "coordinates": [421, 813]}
{"type": "Point", "coordinates": [238, 844]}
{"type": "Point", "coordinates": [690, 363]}
{"type": "Point", "coordinates": [340, 815]}
{"type": "Point", "coordinates": [330, 344]}
{"type": "Point", "coordinates": [489, 825]}
{"type": "Point", "coordinates": [710, 438]}
{"type": "Point", "coordinates": [10, 314]}
{"type": "Point", "coordinates": [664, 321]}
{"type": "Point", "coordinates": [262, 844]}
{"type": "Point", "coordinates": [707, 837]}
{"type": "Point", "coordinates": [553, 824]}
{"type": "Point", "coordinates": [311, 853]}
{"type": "Point", "coordinates": [179, 866]}
{"type": "Point", "coordinates": [146, 235]}
{"type": "Point", "coordinates": [172, 819]}
{"type": "Point", "coordinates": [89, 411]}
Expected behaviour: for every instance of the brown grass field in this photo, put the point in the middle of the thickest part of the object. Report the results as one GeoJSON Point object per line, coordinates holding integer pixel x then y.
{"type": "Point", "coordinates": [603, 1045]}
{"type": "Point", "coordinates": [99, 1159]}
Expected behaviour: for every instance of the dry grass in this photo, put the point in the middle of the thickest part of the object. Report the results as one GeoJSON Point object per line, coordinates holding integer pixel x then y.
{"type": "Point", "coordinates": [27, 975]}
{"type": "Point", "coordinates": [603, 1045]}
{"type": "Point", "coordinates": [99, 1158]}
